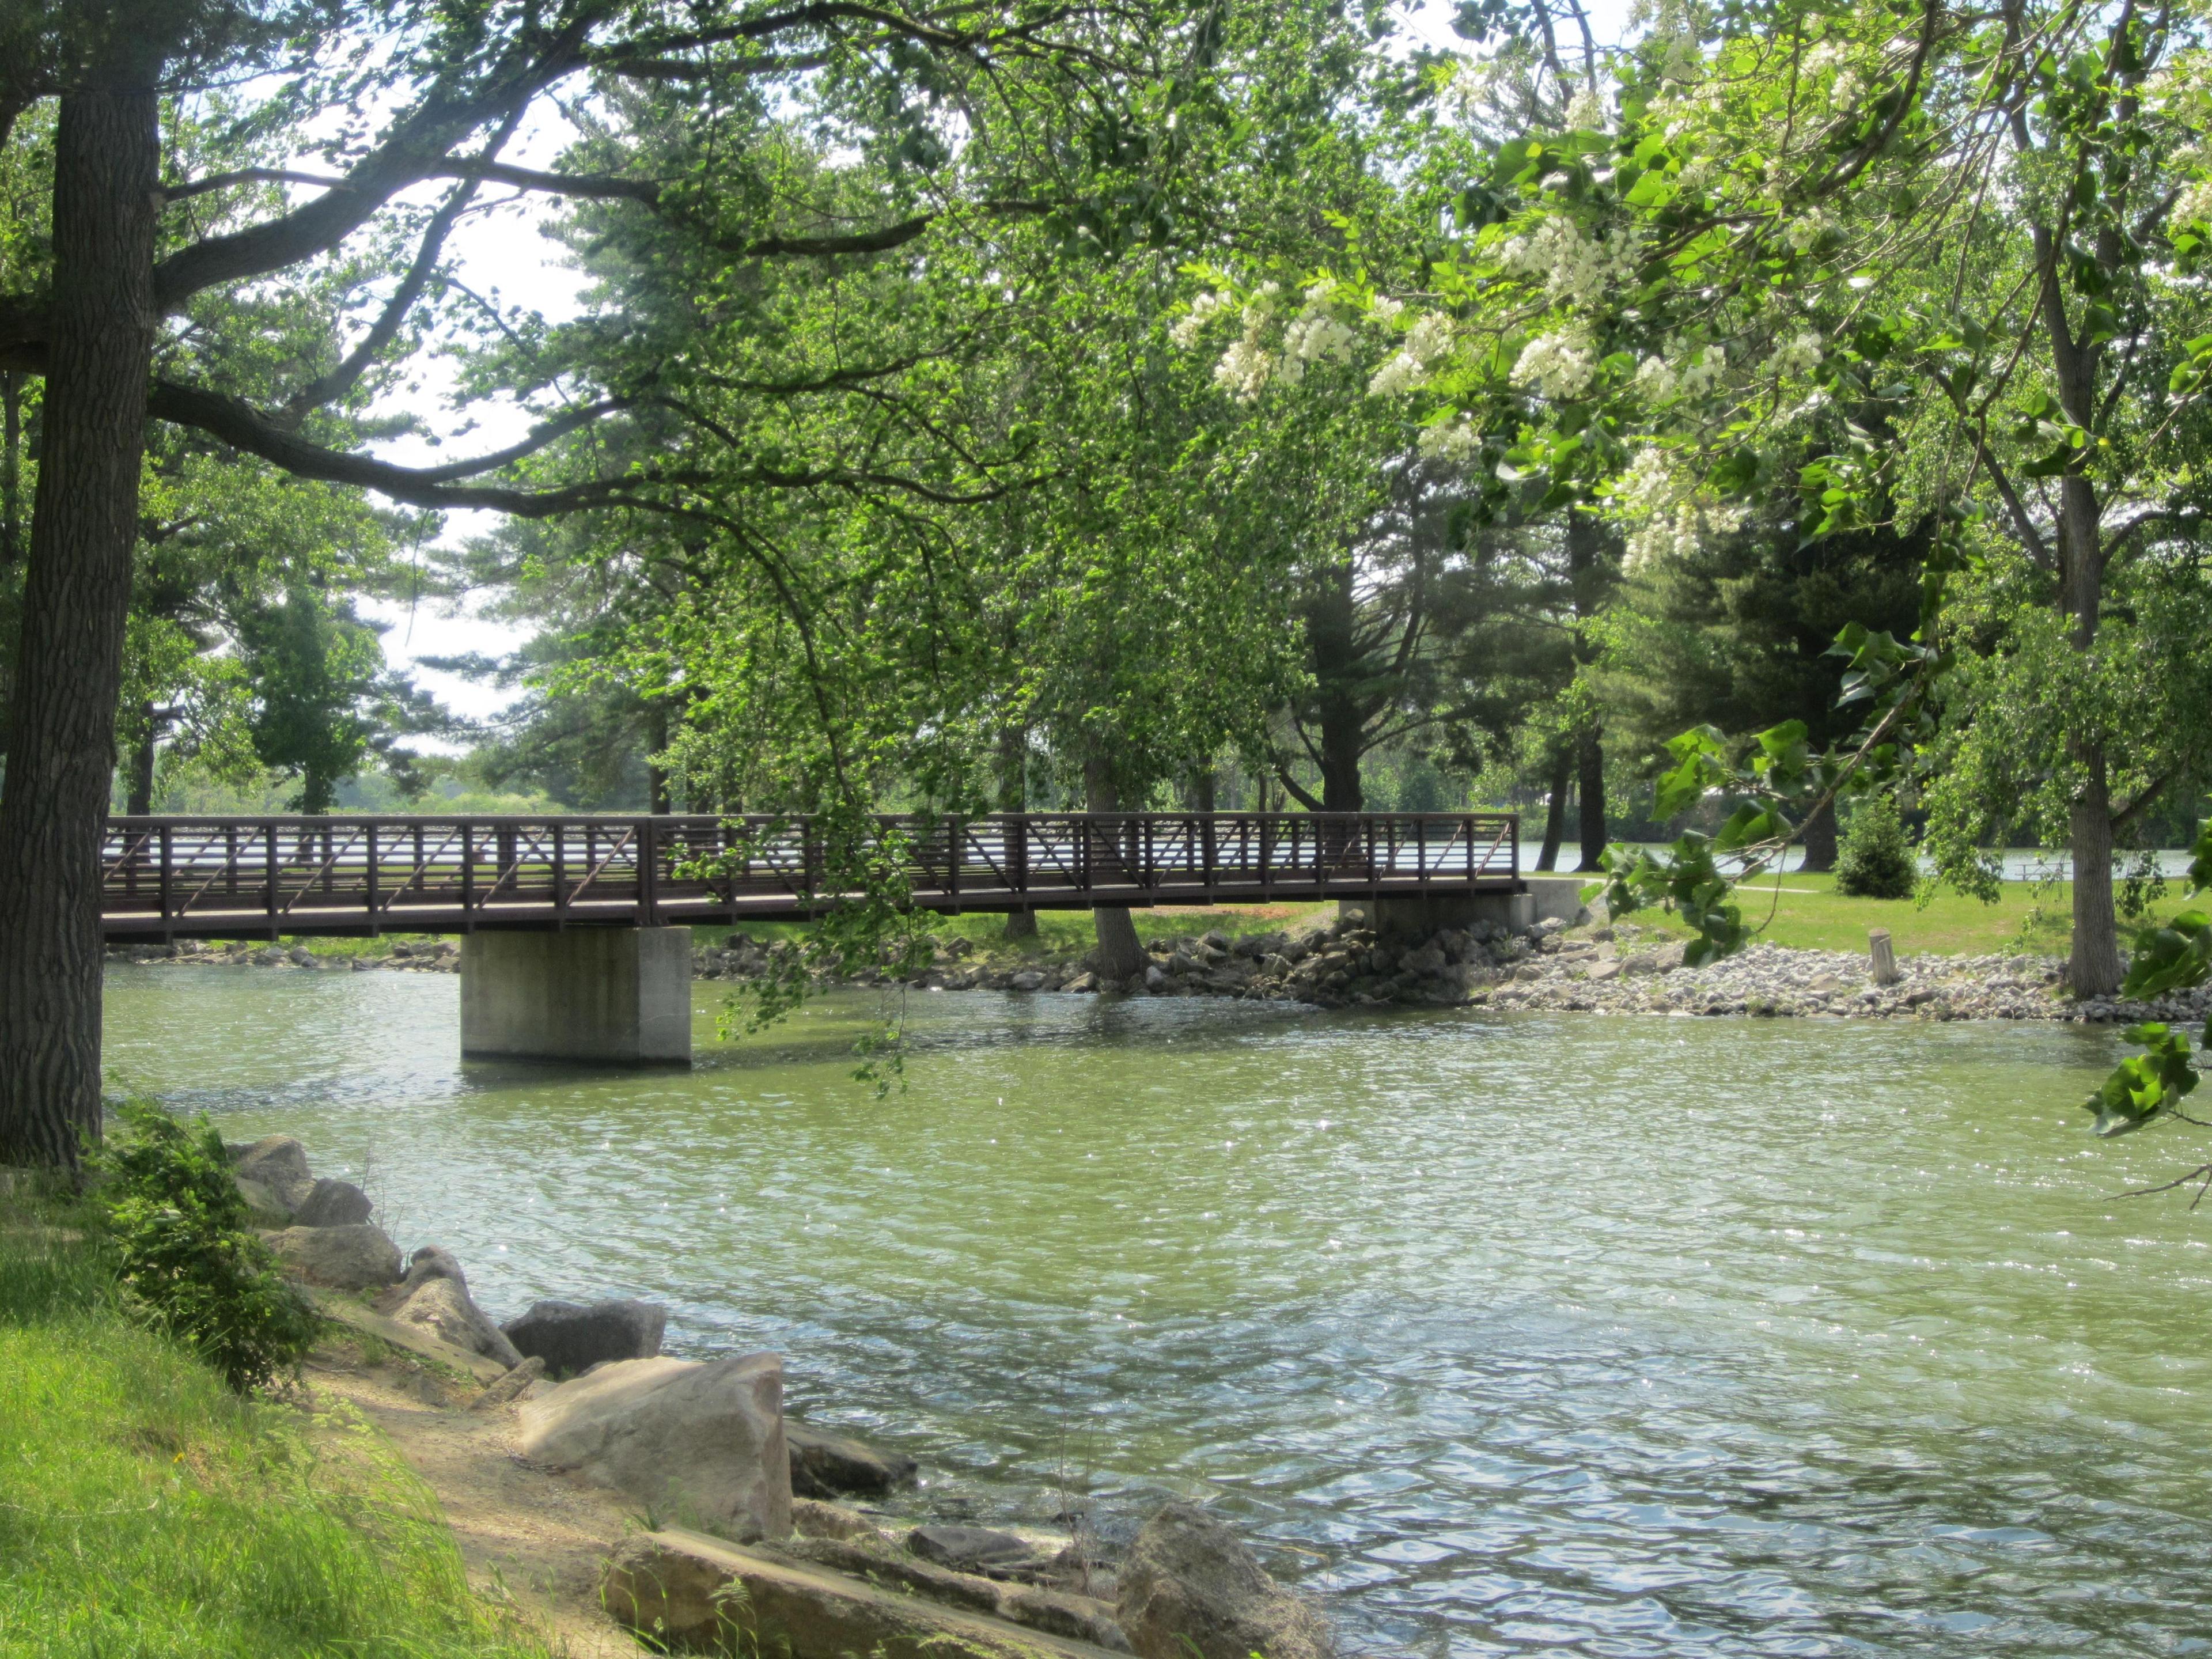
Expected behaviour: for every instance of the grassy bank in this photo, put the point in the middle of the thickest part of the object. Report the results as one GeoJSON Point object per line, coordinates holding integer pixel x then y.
{"type": "Point", "coordinates": [146, 1509]}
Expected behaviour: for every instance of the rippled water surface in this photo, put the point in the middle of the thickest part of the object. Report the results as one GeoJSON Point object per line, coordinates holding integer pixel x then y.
{"type": "Point", "coordinates": [1509, 1334]}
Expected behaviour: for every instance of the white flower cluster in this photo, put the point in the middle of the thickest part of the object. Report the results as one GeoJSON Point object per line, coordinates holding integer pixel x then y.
{"type": "Point", "coordinates": [1701, 372]}
{"type": "Point", "coordinates": [1192, 324]}
{"type": "Point", "coordinates": [1454, 443]}
{"type": "Point", "coordinates": [1845, 90]}
{"type": "Point", "coordinates": [1315, 333]}
{"type": "Point", "coordinates": [1799, 354]}
{"type": "Point", "coordinates": [1558, 364]}
{"type": "Point", "coordinates": [1586, 112]}
{"type": "Point", "coordinates": [1426, 344]}
{"type": "Point", "coordinates": [1803, 233]}
{"type": "Point", "coordinates": [1573, 269]}
{"type": "Point", "coordinates": [1663, 521]}
{"type": "Point", "coordinates": [1681, 371]}
{"type": "Point", "coordinates": [2194, 205]}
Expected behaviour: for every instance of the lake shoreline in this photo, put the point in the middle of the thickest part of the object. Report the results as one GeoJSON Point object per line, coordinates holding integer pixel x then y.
{"type": "Point", "coordinates": [1551, 968]}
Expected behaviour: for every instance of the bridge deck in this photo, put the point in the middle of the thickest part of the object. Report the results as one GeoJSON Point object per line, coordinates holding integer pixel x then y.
{"type": "Point", "coordinates": [238, 878]}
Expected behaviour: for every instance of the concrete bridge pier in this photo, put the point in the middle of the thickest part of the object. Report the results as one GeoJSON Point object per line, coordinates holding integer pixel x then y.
{"type": "Point", "coordinates": [612, 995]}
{"type": "Point", "coordinates": [1412, 916]}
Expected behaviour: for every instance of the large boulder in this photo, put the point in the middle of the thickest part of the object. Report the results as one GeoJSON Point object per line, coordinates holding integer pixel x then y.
{"type": "Point", "coordinates": [698, 1442]}
{"type": "Point", "coordinates": [330, 1203]}
{"type": "Point", "coordinates": [435, 1297]}
{"type": "Point", "coordinates": [825, 1465]}
{"type": "Point", "coordinates": [356, 1258]}
{"type": "Point", "coordinates": [277, 1163]}
{"type": "Point", "coordinates": [571, 1337]}
{"type": "Point", "coordinates": [1190, 1589]}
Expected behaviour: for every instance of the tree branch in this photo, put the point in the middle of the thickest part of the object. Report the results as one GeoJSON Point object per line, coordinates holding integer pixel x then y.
{"type": "Point", "coordinates": [245, 428]}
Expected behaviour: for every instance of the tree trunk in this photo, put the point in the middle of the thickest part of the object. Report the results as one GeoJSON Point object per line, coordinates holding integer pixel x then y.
{"type": "Point", "coordinates": [141, 765]}
{"type": "Point", "coordinates": [1331, 619]}
{"type": "Point", "coordinates": [1818, 838]}
{"type": "Point", "coordinates": [2093, 967]}
{"type": "Point", "coordinates": [12, 468]}
{"type": "Point", "coordinates": [1589, 750]}
{"type": "Point", "coordinates": [1014, 797]}
{"type": "Point", "coordinates": [1119, 954]}
{"type": "Point", "coordinates": [1555, 813]}
{"type": "Point", "coordinates": [77, 600]}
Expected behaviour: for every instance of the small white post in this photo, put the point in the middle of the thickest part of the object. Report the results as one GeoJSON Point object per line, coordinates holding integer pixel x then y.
{"type": "Point", "coordinates": [1884, 958]}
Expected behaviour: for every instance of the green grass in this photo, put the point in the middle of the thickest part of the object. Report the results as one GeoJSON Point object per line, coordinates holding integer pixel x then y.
{"type": "Point", "coordinates": [1809, 914]}
{"type": "Point", "coordinates": [145, 1510]}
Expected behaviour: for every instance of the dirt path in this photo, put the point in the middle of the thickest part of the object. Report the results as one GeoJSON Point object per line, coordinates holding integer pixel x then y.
{"type": "Point", "coordinates": [534, 1540]}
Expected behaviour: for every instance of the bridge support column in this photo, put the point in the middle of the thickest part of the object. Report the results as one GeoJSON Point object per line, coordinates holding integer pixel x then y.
{"type": "Point", "coordinates": [1416, 917]}
{"type": "Point", "coordinates": [615, 995]}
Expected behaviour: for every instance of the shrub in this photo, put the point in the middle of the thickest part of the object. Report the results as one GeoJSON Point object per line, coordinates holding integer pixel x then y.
{"type": "Point", "coordinates": [184, 1257]}
{"type": "Point", "coordinates": [1876, 860]}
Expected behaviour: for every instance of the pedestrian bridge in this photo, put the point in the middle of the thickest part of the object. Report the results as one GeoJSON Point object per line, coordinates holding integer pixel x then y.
{"type": "Point", "coordinates": [578, 930]}
{"type": "Point", "coordinates": [266, 878]}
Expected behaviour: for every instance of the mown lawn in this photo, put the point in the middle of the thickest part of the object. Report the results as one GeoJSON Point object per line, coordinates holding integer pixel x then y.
{"type": "Point", "coordinates": [1808, 914]}
{"type": "Point", "coordinates": [144, 1510]}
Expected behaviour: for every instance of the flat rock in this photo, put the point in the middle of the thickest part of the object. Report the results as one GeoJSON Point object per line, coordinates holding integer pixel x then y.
{"type": "Point", "coordinates": [572, 1336]}
{"type": "Point", "coordinates": [333, 1203]}
{"type": "Point", "coordinates": [278, 1163]}
{"type": "Point", "coordinates": [699, 1440]}
{"type": "Point", "coordinates": [967, 1549]}
{"type": "Point", "coordinates": [681, 1587]}
{"type": "Point", "coordinates": [1190, 1589]}
{"type": "Point", "coordinates": [354, 1258]}
{"type": "Point", "coordinates": [826, 1465]}
{"type": "Point", "coordinates": [812, 1518]}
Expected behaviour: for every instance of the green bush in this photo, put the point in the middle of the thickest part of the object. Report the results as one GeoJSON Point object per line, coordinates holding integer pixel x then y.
{"type": "Point", "coordinates": [1876, 860]}
{"type": "Point", "coordinates": [185, 1259]}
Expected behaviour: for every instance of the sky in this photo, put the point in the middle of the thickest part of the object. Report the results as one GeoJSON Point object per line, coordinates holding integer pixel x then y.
{"type": "Point", "coordinates": [502, 254]}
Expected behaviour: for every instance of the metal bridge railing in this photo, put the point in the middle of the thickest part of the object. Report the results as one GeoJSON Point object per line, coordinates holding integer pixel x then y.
{"type": "Point", "coordinates": [228, 876]}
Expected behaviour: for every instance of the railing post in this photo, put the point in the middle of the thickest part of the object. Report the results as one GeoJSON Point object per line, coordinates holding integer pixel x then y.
{"type": "Point", "coordinates": [368, 883]}
{"type": "Point", "coordinates": [954, 847]}
{"type": "Point", "coordinates": [648, 873]}
{"type": "Point", "coordinates": [1017, 853]}
{"type": "Point", "coordinates": [468, 878]}
{"type": "Point", "coordinates": [269, 848]}
{"type": "Point", "coordinates": [561, 871]}
{"type": "Point", "coordinates": [230, 858]}
{"type": "Point", "coordinates": [168, 878]}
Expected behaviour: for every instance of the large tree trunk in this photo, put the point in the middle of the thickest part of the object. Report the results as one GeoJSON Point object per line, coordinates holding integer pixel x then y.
{"type": "Point", "coordinates": [1014, 797]}
{"type": "Point", "coordinates": [1589, 753]}
{"type": "Point", "coordinates": [12, 468]}
{"type": "Point", "coordinates": [1818, 838]}
{"type": "Point", "coordinates": [1119, 954]}
{"type": "Point", "coordinates": [1555, 810]}
{"type": "Point", "coordinates": [1331, 620]}
{"type": "Point", "coordinates": [2093, 967]}
{"type": "Point", "coordinates": [76, 600]}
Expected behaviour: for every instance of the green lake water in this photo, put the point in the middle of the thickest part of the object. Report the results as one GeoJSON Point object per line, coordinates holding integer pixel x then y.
{"type": "Point", "coordinates": [1540, 1334]}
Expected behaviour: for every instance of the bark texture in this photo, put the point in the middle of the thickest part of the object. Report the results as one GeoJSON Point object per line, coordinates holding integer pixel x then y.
{"type": "Point", "coordinates": [76, 599]}
{"type": "Point", "coordinates": [1120, 953]}
{"type": "Point", "coordinates": [1590, 765]}
{"type": "Point", "coordinates": [1555, 810]}
{"type": "Point", "coordinates": [1818, 837]}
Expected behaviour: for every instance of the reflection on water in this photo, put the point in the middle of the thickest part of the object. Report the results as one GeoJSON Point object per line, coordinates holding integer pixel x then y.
{"type": "Point", "coordinates": [1512, 1335]}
